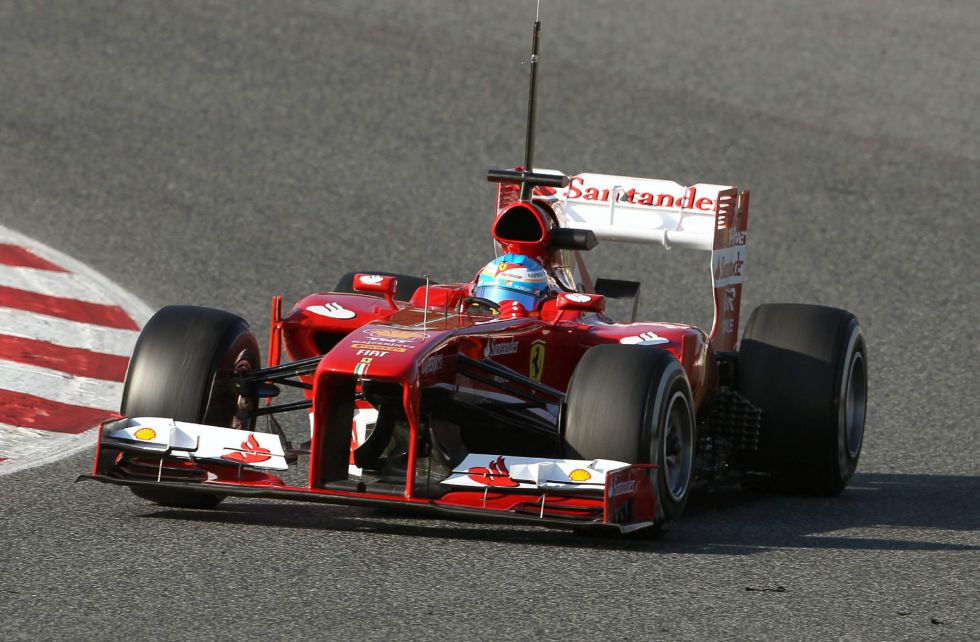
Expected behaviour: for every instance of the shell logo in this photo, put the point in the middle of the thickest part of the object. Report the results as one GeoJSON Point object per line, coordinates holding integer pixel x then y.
{"type": "Point", "coordinates": [580, 475]}
{"type": "Point", "coordinates": [391, 333]}
{"type": "Point", "coordinates": [145, 434]}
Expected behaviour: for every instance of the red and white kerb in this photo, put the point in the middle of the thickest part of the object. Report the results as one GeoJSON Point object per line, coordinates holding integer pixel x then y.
{"type": "Point", "coordinates": [66, 335]}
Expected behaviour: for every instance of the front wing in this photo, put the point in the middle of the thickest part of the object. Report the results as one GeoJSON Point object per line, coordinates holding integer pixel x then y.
{"type": "Point", "coordinates": [161, 453]}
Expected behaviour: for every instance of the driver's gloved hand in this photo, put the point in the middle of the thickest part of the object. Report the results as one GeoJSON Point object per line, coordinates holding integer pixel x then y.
{"type": "Point", "coordinates": [512, 309]}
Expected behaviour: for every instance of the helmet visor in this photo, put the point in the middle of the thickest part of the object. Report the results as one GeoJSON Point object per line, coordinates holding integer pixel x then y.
{"type": "Point", "coordinates": [497, 294]}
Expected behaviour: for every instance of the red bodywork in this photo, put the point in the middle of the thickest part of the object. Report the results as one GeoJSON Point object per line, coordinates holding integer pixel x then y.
{"type": "Point", "coordinates": [417, 346]}
{"type": "Point", "coordinates": [394, 345]}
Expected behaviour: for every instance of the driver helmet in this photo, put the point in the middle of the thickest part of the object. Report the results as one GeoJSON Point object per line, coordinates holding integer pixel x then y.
{"type": "Point", "coordinates": [513, 277]}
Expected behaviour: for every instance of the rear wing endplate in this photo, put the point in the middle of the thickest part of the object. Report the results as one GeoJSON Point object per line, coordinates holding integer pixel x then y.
{"type": "Point", "coordinates": [707, 217]}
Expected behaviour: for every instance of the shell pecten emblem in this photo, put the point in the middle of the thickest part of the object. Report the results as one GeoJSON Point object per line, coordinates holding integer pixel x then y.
{"type": "Point", "coordinates": [580, 475]}
{"type": "Point", "coordinates": [395, 333]}
{"type": "Point", "coordinates": [145, 434]}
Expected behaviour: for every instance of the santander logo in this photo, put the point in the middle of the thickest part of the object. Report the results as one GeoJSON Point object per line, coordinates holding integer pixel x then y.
{"type": "Point", "coordinates": [251, 453]}
{"type": "Point", "coordinates": [332, 311]}
{"type": "Point", "coordinates": [645, 339]}
{"type": "Point", "coordinates": [625, 487]}
{"type": "Point", "coordinates": [578, 190]}
{"type": "Point", "coordinates": [728, 269]}
{"type": "Point", "coordinates": [496, 475]}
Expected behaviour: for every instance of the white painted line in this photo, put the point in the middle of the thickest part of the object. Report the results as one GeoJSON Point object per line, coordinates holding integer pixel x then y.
{"type": "Point", "coordinates": [59, 284]}
{"type": "Point", "coordinates": [60, 386]}
{"type": "Point", "coordinates": [71, 334]}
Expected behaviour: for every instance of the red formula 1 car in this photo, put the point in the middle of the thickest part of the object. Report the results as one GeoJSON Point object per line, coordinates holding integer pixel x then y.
{"type": "Point", "coordinates": [512, 396]}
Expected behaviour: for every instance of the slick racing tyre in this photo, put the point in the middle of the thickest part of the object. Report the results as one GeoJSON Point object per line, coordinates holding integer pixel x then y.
{"type": "Point", "coordinates": [181, 369]}
{"type": "Point", "coordinates": [405, 286]}
{"type": "Point", "coordinates": [633, 404]}
{"type": "Point", "coordinates": [805, 368]}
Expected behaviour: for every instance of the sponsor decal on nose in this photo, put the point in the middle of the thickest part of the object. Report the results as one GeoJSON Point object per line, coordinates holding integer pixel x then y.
{"type": "Point", "coordinates": [332, 311]}
{"type": "Point", "coordinates": [645, 339]}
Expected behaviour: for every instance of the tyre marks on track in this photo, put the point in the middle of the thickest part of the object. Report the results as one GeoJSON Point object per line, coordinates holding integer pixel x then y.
{"type": "Point", "coordinates": [66, 333]}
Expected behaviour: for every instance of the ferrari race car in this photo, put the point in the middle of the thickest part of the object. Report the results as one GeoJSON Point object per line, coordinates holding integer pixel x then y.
{"type": "Point", "coordinates": [510, 396]}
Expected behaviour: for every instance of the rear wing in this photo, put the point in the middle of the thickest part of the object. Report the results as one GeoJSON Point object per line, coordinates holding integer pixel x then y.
{"type": "Point", "coordinates": [712, 218]}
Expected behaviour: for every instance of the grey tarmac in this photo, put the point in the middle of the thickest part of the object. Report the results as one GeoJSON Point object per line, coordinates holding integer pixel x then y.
{"type": "Point", "coordinates": [219, 153]}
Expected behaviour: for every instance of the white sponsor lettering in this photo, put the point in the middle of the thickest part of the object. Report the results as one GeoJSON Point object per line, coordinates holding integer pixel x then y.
{"type": "Point", "coordinates": [371, 279]}
{"type": "Point", "coordinates": [619, 488]}
{"type": "Point", "coordinates": [578, 298]}
{"type": "Point", "coordinates": [371, 353]}
{"type": "Point", "coordinates": [432, 364]}
{"type": "Point", "coordinates": [727, 264]}
{"type": "Point", "coordinates": [645, 339]}
{"type": "Point", "coordinates": [500, 348]}
{"type": "Point", "coordinates": [729, 299]}
{"type": "Point", "coordinates": [736, 236]}
{"type": "Point", "coordinates": [332, 310]}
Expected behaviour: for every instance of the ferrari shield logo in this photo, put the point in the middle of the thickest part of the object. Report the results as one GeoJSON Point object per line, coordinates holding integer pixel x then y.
{"type": "Point", "coordinates": [537, 361]}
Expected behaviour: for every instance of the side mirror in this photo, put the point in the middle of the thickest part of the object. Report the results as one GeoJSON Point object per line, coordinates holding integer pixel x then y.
{"type": "Point", "coordinates": [568, 238]}
{"type": "Point", "coordinates": [383, 285]}
{"type": "Point", "coordinates": [581, 302]}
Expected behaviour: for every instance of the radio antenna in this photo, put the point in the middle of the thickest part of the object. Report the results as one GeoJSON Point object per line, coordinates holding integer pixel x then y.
{"type": "Point", "coordinates": [532, 95]}
{"type": "Point", "coordinates": [425, 307]}
{"type": "Point", "coordinates": [526, 177]}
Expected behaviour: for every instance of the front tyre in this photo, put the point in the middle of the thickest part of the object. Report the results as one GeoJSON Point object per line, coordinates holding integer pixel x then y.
{"type": "Point", "coordinates": [633, 404]}
{"type": "Point", "coordinates": [805, 367]}
{"type": "Point", "coordinates": [182, 368]}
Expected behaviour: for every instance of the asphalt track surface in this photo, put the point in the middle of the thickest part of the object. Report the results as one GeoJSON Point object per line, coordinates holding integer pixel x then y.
{"type": "Point", "coordinates": [218, 153]}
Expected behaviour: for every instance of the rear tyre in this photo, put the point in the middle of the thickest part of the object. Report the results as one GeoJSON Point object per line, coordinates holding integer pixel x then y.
{"type": "Point", "coordinates": [405, 286]}
{"type": "Point", "coordinates": [633, 404]}
{"type": "Point", "coordinates": [182, 368]}
{"type": "Point", "coordinates": [805, 367]}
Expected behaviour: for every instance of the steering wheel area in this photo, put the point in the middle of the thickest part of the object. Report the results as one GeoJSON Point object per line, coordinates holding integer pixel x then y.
{"type": "Point", "coordinates": [479, 305]}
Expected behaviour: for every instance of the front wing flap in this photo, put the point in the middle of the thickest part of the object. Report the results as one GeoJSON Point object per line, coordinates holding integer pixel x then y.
{"type": "Point", "coordinates": [158, 436]}
{"type": "Point", "coordinates": [597, 494]}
